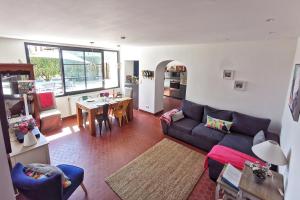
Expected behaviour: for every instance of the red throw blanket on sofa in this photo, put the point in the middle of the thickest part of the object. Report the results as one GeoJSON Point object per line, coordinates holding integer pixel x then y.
{"type": "Point", "coordinates": [167, 117]}
{"type": "Point", "coordinates": [226, 155]}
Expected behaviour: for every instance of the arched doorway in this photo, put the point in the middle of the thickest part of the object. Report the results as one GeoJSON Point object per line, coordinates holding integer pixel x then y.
{"type": "Point", "coordinates": [170, 84]}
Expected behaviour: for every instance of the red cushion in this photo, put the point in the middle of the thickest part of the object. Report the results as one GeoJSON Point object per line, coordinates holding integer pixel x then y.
{"type": "Point", "coordinates": [46, 100]}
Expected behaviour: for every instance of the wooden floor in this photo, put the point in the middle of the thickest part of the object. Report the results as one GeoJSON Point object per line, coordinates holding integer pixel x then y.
{"type": "Point", "coordinates": [100, 156]}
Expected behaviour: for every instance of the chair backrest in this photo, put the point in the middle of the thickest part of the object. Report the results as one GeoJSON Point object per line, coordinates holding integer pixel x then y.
{"type": "Point", "coordinates": [46, 188]}
{"type": "Point", "coordinates": [125, 105]}
{"type": "Point", "coordinates": [104, 94]}
{"type": "Point", "coordinates": [105, 110]}
{"type": "Point", "coordinates": [46, 101]}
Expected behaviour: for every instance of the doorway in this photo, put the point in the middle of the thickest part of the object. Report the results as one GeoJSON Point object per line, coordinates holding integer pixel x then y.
{"type": "Point", "coordinates": [132, 81]}
{"type": "Point", "coordinates": [173, 75]}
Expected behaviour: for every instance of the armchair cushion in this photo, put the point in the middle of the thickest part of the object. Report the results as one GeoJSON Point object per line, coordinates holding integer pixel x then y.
{"type": "Point", "coordinates": [47, 188]}
{"type": "Point", "coordinates": [36, 189]}
{"type": "Point", "coordinates": [46, 101]}
{"type": "Point", "coordinates": [46, 170]}
{"type": "Point", "coordinates": [48, 113]}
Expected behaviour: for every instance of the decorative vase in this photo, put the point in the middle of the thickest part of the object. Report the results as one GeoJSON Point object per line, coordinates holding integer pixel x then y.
{"type": "Point", "coordinates": [259, 176]}
{"type": "Point", "coordinates": [29, 139]}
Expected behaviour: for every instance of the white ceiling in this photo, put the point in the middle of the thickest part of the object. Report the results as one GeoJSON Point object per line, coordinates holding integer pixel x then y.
{"type": "Point", "coordinates": [148, 22]}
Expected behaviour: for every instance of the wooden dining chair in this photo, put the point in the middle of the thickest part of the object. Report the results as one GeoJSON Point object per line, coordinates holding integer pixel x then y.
{"type": "Point", "coordinates": [124, 109]}
{"type": "Point", "coordinates": [120, 111]}
{"type": "Point", "coordinates": [84, 112]}
{"type": "Point", "coordinates": [103, 117]}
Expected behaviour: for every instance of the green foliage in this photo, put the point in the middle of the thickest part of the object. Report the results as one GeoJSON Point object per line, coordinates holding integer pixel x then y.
{"type": "Point", "coordinates": [45, 68]}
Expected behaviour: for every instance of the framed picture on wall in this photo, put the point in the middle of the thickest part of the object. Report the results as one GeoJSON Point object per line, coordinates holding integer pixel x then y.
{"type": "Point", "coordinates": [294, 99]}
{"type": "Point", "coordinates": [240, 85]}
{"type": "Point", "coordinates": [228, 74]}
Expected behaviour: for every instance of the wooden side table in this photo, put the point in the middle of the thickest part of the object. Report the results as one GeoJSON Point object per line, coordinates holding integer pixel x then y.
{"type": "Point", "coordinates": [225, 191]}
{"type": "Point", "coordinates": [249, 189]}
{"type": "Point", "coordinates": [268, 190]}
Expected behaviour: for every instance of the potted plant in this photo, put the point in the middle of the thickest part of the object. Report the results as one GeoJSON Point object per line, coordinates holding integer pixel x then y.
{"type": "Point", "coordinates": [260, 172]}
{"type": "Point", "coordinates": [26, 128]}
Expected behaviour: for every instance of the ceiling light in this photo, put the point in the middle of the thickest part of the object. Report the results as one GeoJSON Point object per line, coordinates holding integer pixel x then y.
{"type": "Point", "coordinates": [271, 33]}
{"type": "Point", "coordinates": [123, 37]}
{"type": "Point", "coordinates": [270, 20]}
{"type": "Point", "coordinates": [118, 45]}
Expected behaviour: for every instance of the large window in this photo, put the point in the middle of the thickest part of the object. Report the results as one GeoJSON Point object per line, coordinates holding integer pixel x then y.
{"type": "Point", "coordinates": [67, 70]}
{"type": "Point", "coordinates": [47, 68]}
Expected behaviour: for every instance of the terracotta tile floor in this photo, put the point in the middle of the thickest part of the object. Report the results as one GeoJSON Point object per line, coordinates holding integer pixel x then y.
{"type": "Point", "coordinates": [100, 156]}
{"type": "Point", "coordinates": [171, 103]}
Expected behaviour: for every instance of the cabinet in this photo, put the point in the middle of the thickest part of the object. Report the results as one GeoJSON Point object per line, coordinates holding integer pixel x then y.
{"type": "Point", "coordinates": [38, 153]}
{"type": "Point", "coordinates": [135, 94]}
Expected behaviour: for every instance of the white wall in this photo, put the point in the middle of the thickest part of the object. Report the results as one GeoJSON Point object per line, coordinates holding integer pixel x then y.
{"type": "Point", "coordinates": [266, 65]}
{"type": "Point", "coordinates": [11, 51]}
{"type": "Point", "coordinates": [6, 188]}
{"type": "Point", "coordinates": [128, 67]}
{"type": "Point", "coordinates": [289, 138]}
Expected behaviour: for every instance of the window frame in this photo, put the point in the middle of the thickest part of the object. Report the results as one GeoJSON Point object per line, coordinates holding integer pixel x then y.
{"type": "Point", "coordinates": [61, 63]}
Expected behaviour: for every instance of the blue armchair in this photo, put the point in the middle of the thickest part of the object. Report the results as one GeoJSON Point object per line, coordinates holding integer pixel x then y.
{"type": "Point", "coordinates": [47, 188]}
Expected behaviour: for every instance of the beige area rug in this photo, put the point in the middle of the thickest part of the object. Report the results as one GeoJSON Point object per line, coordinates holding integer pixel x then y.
{"type": "Point", "coordinates": [166, 171]}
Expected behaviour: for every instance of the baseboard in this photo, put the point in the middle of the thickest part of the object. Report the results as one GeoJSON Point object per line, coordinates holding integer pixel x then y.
{"type": "Point", "coordinates": [157, 113]}
{"type": "Point", "coordinates": [69, 117]}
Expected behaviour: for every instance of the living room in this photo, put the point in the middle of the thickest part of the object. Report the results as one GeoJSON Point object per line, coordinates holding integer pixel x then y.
{"type": "Point", "coordinates": [242, 69]}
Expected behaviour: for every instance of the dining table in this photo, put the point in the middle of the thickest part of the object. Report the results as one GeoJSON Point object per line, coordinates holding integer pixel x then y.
{"type": "Point", "coordinates": [94, 106]}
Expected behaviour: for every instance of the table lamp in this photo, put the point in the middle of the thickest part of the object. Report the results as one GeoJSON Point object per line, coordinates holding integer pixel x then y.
{"type": "Point", "coordinates": [26, 87]}
{"type": "Point", "coordinates": [270, 152]}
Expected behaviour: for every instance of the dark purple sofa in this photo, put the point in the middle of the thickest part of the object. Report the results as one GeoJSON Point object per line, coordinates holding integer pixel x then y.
{"type": "Point", "coordinates": [192, 130]}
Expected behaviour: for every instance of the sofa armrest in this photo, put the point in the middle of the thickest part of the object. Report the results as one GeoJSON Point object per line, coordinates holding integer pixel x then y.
{"type": "Point", "coordinates": [272, 136]}
{"type": "Point", "coordinates": [164, 126]}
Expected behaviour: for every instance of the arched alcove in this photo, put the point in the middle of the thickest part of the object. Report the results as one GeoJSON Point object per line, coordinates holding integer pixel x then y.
{"type": "Point", "coordinates": [160, 82]}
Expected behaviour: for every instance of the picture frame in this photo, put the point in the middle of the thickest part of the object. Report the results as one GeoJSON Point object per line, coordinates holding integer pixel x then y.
{"type": "Point", "coordinates": [294, 98]}
{"type": "Point", "coordinates": [228, 74]}
{"type": "Point", "coordinates": [240, 85]}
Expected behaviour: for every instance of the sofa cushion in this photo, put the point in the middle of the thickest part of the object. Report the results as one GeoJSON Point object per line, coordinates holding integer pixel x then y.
{"type": "Point", "coordinates": [177, 116]}
{"type": "Point", "coordinates": [215, 113]}
{"type": "Point", "coordinates": [249, 125]}
{"type": "Point", "coordinates": [207, 134]}
{"type": "Point", "coordinates": [185, 125]}
{"type": "Point", "coordinates": [221, 125]}
{"type": "Point", "coordinates": [239, 142]}
{"type": "Point", "coordinates": [192, 110]}
{"type": "Point", "coordinates": [259, 138]}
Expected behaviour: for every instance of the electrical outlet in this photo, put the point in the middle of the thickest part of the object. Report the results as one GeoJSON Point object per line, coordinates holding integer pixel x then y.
{"type": "Point", "coordinates": [147, 107]}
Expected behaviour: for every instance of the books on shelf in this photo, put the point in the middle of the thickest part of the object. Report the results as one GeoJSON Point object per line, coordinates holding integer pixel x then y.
{"type": "Point", "coordinates": [232, 176]}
